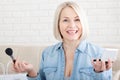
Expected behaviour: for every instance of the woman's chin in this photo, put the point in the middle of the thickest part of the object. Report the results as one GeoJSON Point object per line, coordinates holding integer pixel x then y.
{"type": "Point", "coordinates": [73, 39]}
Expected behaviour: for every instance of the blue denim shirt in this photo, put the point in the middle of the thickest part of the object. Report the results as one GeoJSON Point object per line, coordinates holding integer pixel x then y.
{"type": "Point", "coordinates": [52, 65]}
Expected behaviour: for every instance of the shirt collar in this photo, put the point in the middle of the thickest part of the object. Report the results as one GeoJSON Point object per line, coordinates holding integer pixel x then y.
{"type": "Point", "coordinates": [81, 47]}
{"type": "Point", "coordinates": [59, 46]}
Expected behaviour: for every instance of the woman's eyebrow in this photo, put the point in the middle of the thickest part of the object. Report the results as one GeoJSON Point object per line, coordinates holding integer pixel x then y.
{"type": "Point", "coordinates": [65, 17]}
{"type": "Point", "coordinates": [77, 17]}
{"type": "Point", "coordinates": [68, 17]}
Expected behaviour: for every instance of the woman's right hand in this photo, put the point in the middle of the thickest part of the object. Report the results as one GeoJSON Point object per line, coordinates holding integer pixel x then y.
{"type": "Point", "coordinates": [22, 66]}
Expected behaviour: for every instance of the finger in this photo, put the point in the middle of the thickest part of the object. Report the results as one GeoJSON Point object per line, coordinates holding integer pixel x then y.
{"type": "Point", "coordinates": [17, 65]}
{"type": "Point", "coordinates": [97, 65]}
{"type": "Point", "coordinates": [17, 60]}
{"type": "Point", "coordinates": [98, 61]}
{"type": "Point", "coordinates": [103, 66]}
{"type": "Point", "coordinates": [94, 63]}
{"type": "Point", "coordinates": [25, 63]}
{"type": "Point", "coordinates": [109, 65]}
{"type": "Point", "coordinates": [27, 66]}
{"type": "Point", "coordinates": [21, 67]}
{"type": "Point", "coordinates": [17, 68]}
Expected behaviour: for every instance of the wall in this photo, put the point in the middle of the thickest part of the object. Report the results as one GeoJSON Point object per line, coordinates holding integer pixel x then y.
{"type": "Point", "coordinates": [31, 21]}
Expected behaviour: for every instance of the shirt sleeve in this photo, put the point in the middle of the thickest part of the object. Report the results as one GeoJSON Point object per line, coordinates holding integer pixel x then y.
{"type": "Point", "coordinates": [35, 78]}
{"type": "Point", "coordinates": [105, 75]}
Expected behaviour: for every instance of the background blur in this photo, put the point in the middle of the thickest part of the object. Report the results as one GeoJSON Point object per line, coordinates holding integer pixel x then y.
{"type": "Point", "coordinates": [31, 21]}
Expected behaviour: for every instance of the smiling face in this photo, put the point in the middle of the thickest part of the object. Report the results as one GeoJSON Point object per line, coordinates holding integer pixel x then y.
{"type": "Point", "coordinates": [70, 25]}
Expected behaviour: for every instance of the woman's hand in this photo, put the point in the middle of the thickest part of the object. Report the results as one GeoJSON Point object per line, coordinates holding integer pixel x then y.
{"type": "Point", "coordinates": [100, 66]}
{"type": "Point", "coordinates": [22, 66]}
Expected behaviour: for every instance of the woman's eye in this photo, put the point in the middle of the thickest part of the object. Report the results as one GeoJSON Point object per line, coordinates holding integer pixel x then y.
{"type": "Point", "coordinates": [77, 19]}
{"type": "Point", "coordinates": [65, 20]}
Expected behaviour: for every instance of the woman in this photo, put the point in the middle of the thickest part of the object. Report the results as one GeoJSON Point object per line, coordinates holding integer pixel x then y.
{"type": "Point", "coordinates": [72, 58]}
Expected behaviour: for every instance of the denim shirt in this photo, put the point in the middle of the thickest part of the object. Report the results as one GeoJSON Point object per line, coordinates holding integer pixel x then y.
{"type": "Point", "coordinates": [52, 64]}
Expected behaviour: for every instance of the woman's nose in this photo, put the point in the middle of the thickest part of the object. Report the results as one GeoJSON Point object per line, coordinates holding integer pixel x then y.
{"type": "Point", "coordinates": [72, 24]}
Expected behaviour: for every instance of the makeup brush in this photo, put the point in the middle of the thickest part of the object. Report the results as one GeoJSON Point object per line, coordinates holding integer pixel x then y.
{"type": "Point", "coordinates": [9, 52]}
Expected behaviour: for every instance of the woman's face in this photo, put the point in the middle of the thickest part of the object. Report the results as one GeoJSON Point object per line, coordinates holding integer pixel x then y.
{"type": "Point", "coordinates": [70, 25]}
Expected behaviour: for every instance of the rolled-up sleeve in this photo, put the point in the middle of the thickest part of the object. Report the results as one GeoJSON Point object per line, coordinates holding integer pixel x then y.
{"type": "Point", "coordinates": [105, 75]}
{"type": "Point", "coordinates": [34, 78]}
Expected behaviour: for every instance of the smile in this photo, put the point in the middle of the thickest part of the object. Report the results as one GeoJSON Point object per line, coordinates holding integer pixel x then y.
{"type": "Point", "coordinates": [72, 32]}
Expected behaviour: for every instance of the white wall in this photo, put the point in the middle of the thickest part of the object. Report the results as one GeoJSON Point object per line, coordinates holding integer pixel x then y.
{"type": "Point", "coordinates": [31, 21]}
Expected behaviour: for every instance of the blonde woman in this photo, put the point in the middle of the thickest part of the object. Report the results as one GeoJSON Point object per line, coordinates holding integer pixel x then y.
{"type": "Point", "coordinates": [72, 58]}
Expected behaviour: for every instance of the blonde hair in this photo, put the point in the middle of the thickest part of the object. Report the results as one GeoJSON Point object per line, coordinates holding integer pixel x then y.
{"type": "Point", "coordinates": [79, 12]}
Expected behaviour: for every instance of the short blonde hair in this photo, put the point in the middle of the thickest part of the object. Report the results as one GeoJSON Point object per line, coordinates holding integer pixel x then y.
{"type": "Point", "coordinates": [79, 12]}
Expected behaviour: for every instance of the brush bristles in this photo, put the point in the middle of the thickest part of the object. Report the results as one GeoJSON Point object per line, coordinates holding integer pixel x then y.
{"type": "Point", "coordinates": [9, 51]}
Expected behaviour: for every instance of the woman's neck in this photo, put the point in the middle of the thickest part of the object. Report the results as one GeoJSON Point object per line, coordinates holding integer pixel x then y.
{"type": "Point", "coordinates": [70, 45]}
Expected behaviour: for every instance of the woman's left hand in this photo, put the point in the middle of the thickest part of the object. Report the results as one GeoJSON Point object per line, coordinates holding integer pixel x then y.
{"type": "Point", "coordinates": [100, 66]}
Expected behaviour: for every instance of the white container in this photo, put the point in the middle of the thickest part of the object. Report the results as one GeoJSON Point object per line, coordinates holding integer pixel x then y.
{"type": "Point", "coordinates": [110, 53]}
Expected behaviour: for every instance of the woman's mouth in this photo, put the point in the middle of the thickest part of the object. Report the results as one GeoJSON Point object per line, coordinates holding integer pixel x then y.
{"type": "Point", "coordinates": [72, 32]}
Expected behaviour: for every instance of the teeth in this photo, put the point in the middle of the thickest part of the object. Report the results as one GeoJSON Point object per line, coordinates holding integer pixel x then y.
{"type": "Point", "coordinates": [72, 32]}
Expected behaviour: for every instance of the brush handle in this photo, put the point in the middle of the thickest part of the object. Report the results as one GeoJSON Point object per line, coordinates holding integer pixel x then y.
{"type": "Point", "coordinates": [13, 59]}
